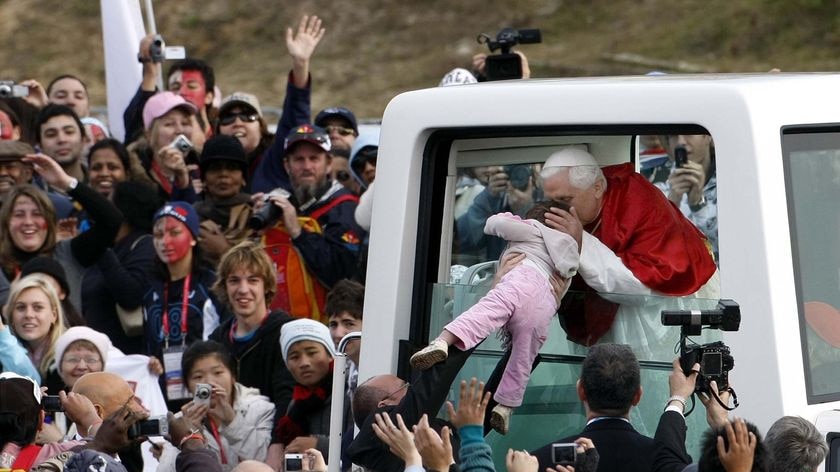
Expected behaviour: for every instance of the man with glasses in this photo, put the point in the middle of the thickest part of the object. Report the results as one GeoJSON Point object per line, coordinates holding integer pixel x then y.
{"type": "Point", "coordinates": [340, 123]}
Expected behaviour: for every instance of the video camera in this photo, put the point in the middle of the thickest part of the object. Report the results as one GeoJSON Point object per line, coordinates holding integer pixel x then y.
{"type": "Point", "coordinates": [714, 358]}
{"type": "Point", "coordinates": [507, 65]}
{"type": "Point", "coordinates": [9, 89]}
{"type": "Point", "coordinates": [159, 51]}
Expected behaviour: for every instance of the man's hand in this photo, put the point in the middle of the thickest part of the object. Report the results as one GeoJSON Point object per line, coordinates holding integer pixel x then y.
{"type": "Point", "coordinates": [113, 433]}
{"type": "Point", "coordinates": [179, 428]}
{"type": "Point", "coordinates": [80, 410]}
{"type": "Point", "coordinates": [435, 450]}
{"type": "Point", "coordinates": [716, 415]}
{"type": "Point", "coordinates": [399, 439]}
{"type": "Point", "coordinates": [479, 63]}
{"type": "Point", "coordinates": [49, 170]}
{"type": "Point", "coordinates": [680, 384]}
{"type": "Point", "coordinates": [471, 404]}
{"type": "Point", "coordinates": [508, 262]}
{"type": "Point", "coordinates": [498, 182]}
{"type": "Point", "coordinates": [567, 222]}
{"type": "Point", "coordinates": [37, 95]}
{"type": "Point", "coordinates": [690, 179]}
{"type": "Point", "coordinates": [739, 456]}
{"type": "Point", "coordinates": [213, 241]}
{"type": "Point", "coordinates": [301, 46]}
{"type": "Point", "coordinates": [521, 461]}
{"type": "Point", "coordinates": [301, 443]}
{"type": "Point", "coordinates": [66, 228]}
{"type": "Point", "coordinates": [290, 219]}
{"type": "Point", "coordinates": [150, 69]}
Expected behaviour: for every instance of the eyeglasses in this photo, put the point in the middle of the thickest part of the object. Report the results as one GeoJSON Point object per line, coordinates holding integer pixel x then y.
{"type": "Point", "coordinates": [72, 360]}
{"type": "Point", "coordinates": [391, 395]}
{"type": "Point", "coordinates": [339, 130]}
{"type": "Point", "coordinates": [245, 117]}
{"type": "Point", "coordinates": [342, 176]}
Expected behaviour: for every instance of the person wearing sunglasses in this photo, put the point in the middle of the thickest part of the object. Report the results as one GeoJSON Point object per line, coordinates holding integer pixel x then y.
{"type": "Point", "coordinates": [241, 116]}
{"type": "Point", "coordinates": [340, 123]}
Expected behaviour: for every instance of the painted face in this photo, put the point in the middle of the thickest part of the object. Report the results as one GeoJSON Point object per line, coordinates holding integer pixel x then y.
{"type": "Point", "coordinates": [342, 324]}
{"type": "Point", "coordinates": [13, 173]}
{"type": "Point", "coordinates": [105, 171]}
{"type": "Point", "coordinates": [61, 139]}
{"type": "Point", "coordinates": [172, 239]}
{"type": "Point", "coordinates": [246, 293]}
{"type": "Point", "coordinates": [697, 146]}
{"type": "Point", "coordinates": [309, 362]}
{"type": "Point", "coordinates": [223, 179]}
{"type": "Point", "coordinates": [78, 361]}
{"type": "Point", "coordinates": [245, 126]}
{"type": "Point", "coordinates": [211, 370]}
{"type": "Point", "coordinates": [71, 92]}
{"type": "Point", "coordinates": [7, 129]}
{"type": "Point", "coordinates": [169, 126]}
{"type": "Point", "coordinates": [308, 166]}
{"type": "Point", "coordinates": [341, 133]}
{"type": "Point", "coordinates": [27, 226]}
{"type": "Point", "coordinates": [33, 315]}
{"type": "Point", "coordinates": [190, 85]}
{"type": "Point", "coordinates": [587, 202]}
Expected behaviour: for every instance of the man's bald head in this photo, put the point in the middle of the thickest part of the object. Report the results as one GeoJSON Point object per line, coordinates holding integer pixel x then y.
{"type": "Point", "coordinates": [377, 391]}
{"type": "Point", "coordinates": [252, 466]}
{"type": "Point", "coordinates": [108, 392]}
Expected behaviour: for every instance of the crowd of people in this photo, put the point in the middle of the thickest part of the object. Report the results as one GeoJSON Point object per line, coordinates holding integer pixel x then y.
{"type": "Point", "coordinates": [228, 263]}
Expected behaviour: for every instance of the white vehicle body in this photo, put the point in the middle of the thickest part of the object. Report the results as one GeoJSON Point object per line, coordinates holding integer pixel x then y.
{"type": "Point", "coordinates": [745, 114]}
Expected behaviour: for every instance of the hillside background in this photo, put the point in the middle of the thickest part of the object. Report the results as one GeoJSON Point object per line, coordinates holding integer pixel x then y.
{"type": "Point", "coordinates": [375, 49]}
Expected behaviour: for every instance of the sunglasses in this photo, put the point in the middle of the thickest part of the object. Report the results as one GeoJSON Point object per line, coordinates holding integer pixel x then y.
{"type": "Point", "coordinates": [244, 117]}
{"type": "Point", "coordinates": [339, 130]}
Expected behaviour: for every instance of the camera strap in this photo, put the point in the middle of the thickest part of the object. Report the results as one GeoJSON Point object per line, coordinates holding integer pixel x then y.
{"type": "Point", "coordinates": [716, 397]}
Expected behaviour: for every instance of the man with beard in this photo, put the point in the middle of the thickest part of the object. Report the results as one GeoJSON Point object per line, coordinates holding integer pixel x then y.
{"type": "Point", "coordinates": [316, 241]}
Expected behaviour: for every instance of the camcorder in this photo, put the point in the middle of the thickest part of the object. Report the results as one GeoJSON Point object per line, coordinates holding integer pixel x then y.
{"type": "Point", "coordinates": [158, 426]}
{"type": "Point", "coordinates": [9, 89]}
{"type": "Point", "coordinates": [507, 65]}
{"type": "Point", "coordinates": [715, 358]}
{"type": "Point", "coordinates": [270, 212]}
{"type": "Point", "coordinates": [159, 51]}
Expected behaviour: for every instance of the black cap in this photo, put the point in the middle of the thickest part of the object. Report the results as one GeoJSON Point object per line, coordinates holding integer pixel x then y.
{"type": "Point", "coordinates": [223, 148]}
{"type": "Point", "coordinates": [338, 112]}
{"type": "Point", "coordinates": [46, 265]}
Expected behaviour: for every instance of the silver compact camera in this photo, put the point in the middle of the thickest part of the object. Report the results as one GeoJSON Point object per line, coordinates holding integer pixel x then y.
{"type": "Point", "coordinates": [181, 143]}
{"type": "Point", "coordinates": [202, 394]}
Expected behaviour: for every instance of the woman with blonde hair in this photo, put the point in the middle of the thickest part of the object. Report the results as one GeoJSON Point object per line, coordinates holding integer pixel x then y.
{"type": "Point", "coordinates": [35, 317]}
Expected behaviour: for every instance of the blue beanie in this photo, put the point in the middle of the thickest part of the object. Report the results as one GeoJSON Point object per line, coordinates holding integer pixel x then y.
{"type": "Point", "coordinates": [181, 211]}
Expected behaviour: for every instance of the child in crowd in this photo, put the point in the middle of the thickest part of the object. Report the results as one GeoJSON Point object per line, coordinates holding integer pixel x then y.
{"type": "Point", "coordinates": [522, 303]}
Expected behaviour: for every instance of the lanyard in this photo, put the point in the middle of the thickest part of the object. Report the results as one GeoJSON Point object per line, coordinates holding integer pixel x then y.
{"type": "Point", "coordinates": [184, 303]}
{"type": "Point", "coordinates": [215, 431]}
{"type": "Point", "coordinates": [164, 181]}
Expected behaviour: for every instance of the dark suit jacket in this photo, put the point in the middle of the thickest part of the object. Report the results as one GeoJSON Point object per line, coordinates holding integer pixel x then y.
{"type": "Point", "coordinates": [670, 433]}
{"type": "Point", "coordinates": [620, 447]}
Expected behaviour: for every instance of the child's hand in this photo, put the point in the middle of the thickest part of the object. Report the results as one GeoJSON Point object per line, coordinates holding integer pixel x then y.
{"type": "Point", "coordinates": [471, 405]}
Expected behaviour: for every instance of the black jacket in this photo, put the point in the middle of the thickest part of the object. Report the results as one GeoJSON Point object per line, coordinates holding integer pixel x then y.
{"type": "Point", "coordinates": [670, 433]}
{"type": "Point", "coordinates": [619, 447]}
{"type": "Point", "coordinates": [259, 362]}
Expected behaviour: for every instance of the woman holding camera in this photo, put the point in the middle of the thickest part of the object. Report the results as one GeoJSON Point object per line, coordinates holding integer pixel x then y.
{"type": "Point", "coordinates": [166, 153]}
{"type": "Point", "coordinates": [235, 420]}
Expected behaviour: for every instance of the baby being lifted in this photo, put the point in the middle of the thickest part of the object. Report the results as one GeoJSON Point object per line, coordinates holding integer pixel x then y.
{"type": "Point", "coordinates": [522, 303]}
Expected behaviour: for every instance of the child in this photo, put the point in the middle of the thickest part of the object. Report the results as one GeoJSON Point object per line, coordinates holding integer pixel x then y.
{"type": "Point", "coordinates": [522, 304]}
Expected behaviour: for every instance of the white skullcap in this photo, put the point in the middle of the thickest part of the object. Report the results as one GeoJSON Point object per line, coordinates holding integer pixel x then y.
{"type": "Point", "coordinates": [570, 157]}
{"type": "Point", "coordinates": [79, 333]}
{"type": "Point", "coordinates": [305, 329]}
{"type": "Point", "coordinates": [457, 76]}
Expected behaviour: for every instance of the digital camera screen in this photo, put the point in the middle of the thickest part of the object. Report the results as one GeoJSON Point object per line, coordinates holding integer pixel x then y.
{"type": "Point", "coordinates": [712, 363]}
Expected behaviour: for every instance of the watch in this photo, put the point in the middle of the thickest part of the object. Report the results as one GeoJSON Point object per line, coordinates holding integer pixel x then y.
{"type": "Point", "coordinates": [699, 206]}
{"type": "Point", "coordinates": [74, 182]}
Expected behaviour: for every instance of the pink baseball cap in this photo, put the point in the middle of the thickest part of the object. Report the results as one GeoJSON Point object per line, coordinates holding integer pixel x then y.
{"type": "Point", "coordinates": [162, 103]}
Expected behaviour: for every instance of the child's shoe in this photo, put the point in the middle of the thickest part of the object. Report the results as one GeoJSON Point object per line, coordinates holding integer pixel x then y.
{"type": "Point", "coordinates": [430, 355]}
{"type": "Point", "coordinates": [500, 418]}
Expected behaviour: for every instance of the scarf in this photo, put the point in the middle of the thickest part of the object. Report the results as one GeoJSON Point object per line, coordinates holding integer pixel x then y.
{"type": "Point", "coordinates": [305, 403]}
{"type": "Point", "coordinates": [218, 209]}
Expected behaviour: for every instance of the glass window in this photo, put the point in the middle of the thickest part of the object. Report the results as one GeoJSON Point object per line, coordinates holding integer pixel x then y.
{"type": "Point", "coordinates": [812, 173]}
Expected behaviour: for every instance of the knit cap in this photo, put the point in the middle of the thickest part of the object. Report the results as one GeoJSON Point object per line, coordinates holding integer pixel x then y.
{"type": "Point", "coordinates": [305, 329]}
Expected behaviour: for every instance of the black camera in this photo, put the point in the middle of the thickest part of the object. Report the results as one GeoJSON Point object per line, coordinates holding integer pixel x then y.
{"type": "Point", "coordinates": [152, 427]}
{"type": "Point", "coordinates": [564, 453]}
{"type": "Point", "coordinates": [715, 358]}
{"type": "Point", "coordinates": [270, 212]}
{"type": "Point", "coordinates": [51, 403]}
{"type": "Point", "coordinates": [680, 156]}
{"type": "Point", "coordinates": [519, 175]}
{"type": "Point", "coordinates": [507, 65]}
{"type": "Point", "coordinates": [9, 89]}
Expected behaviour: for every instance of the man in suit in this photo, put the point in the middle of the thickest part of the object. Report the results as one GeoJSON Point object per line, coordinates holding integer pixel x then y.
{"type": "Point", "coordinates": [609, 386]}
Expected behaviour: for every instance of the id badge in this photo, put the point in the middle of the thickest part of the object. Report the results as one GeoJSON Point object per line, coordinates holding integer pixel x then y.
{"type": "Point", "coordinates": [175, 388]}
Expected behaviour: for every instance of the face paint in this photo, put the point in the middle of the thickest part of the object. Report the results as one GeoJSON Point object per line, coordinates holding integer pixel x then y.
{"type": "Point", "coordinates": [6, 127]}
{"type": "Point", "coordinates": [193, 88]}
{"type": "Point", "coordinates": [173, 241]}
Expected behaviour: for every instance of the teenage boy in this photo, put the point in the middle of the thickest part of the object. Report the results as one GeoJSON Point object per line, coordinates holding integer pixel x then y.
{"type": "Point", "coordinates": [246, 282]}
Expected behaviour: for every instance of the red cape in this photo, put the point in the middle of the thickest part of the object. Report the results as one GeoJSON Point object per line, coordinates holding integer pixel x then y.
{"type": "Point", "coordinates": [662, 248]}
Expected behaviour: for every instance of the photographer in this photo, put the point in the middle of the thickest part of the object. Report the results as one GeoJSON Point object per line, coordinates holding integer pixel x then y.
{"type": "Point", "coordinates": [319, 229]}
{"type": "Point", "coordinates": [509, 188]}
{"type": "Point", "coordinates": [167, 117]}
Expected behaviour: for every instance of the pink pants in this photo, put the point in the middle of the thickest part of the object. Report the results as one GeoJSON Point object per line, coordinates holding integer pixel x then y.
{"type": "Point", "coordinates": [523, 303]}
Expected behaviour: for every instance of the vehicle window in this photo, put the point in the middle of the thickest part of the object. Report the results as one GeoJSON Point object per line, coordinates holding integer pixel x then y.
{"type": "Point", "coordinates": [812, 172]}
